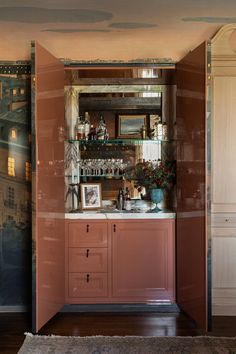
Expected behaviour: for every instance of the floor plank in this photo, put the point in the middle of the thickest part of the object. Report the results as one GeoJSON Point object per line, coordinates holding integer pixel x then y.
{"type": "Point", "coordinates": [13, 326]}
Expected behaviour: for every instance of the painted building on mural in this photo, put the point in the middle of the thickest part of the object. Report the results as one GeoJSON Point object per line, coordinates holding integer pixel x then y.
{"type": "Point", "coordinates": [15, 188]}
{"type": "Point", "coordinates": [15, 167]}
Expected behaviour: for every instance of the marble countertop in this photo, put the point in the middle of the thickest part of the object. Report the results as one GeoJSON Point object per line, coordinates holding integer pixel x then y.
{"type": "Point", "coordinates": [120, 216]}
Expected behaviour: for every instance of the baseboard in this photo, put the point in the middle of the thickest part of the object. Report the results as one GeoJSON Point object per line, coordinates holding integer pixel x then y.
{"type": "Point", "coordinates": [18, 308]}
{"type": "Point", "coordinates": [223, 310]}
{"type": "Point", "coordinates": [162, 308]}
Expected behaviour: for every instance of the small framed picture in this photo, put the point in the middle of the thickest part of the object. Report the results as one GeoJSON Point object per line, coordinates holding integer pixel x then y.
{"type": "Point", "coordinates": [91, 196]}
{"type": "Point", "coordinates": [130, 125]}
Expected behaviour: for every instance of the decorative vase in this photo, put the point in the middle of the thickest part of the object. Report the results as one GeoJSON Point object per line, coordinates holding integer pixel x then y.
{"type": "Point", "coordinates": [156, 197]}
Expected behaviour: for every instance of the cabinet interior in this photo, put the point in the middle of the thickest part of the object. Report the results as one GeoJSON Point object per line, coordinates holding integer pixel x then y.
{"type": "Point", "coordinates": [113, 93]}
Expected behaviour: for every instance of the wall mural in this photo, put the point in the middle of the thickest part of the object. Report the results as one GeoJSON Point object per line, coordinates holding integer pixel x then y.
{"type": "Point", "coordinates": [110, 30]}
{"type": "Point", "coordinates": [15, 190]}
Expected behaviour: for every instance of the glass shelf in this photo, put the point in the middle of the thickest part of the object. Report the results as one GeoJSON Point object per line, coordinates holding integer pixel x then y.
{"type": "Point", "coordinates": [99, 176]}
{"type": "Point", "coordinates": [102, 176]}
{"type": "Point", "coordinates": [118, 141]}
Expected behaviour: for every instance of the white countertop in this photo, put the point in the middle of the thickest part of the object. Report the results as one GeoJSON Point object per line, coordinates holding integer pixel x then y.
{"type": "Point", "coordinates": [120, 216]}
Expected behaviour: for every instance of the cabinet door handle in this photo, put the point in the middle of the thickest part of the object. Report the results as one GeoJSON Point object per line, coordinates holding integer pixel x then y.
{"type": "Point", "coordinates": [114, 227]}
{"type": "Point", "coordinates": [87, 227]}
{"type": "Point", "coordinates": [87, 253]}
{"type": "Point", "coordinates": [87, 278]}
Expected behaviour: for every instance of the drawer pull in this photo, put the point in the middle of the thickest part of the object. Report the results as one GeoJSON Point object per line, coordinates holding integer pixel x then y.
{"type": "Point", "coordinates": [226, 220]}
{"type": "Point", "coordinates": [87, 278]}
{"type": "Point", "coordinates": [87, 227]}
{"type": "Point", "coordinates": [114, 227]}
{"type": "Point", "coordinates": [87, 253]}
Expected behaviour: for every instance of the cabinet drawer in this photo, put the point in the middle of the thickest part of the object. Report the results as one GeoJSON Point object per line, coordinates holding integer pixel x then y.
{"type": "Point", "coordinates": [223, 220]}
{"type": "Point", "coordinates": [87, 259]}
{"type": "Point", "coordinates": [88, 284]}
{"type": "Point", "coordinates": [87, 234]}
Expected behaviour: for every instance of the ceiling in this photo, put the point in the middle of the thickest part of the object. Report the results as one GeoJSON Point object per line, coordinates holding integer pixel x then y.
{"type": "Point", "coordinates": [109, 29]}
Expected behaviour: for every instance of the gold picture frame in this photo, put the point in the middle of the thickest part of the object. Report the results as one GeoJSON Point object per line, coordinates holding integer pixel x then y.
{"type": "Point", "coordinates": [130, 125]}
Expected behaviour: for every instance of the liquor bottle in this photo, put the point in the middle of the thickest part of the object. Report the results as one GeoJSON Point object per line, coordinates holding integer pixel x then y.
{"type": "Point", "coordinates": [80, 128]}
{"type": "Point", "coordinates": [159, 129]}
{"type": "Point", "coordinates": [127, 202]}
{"type": "Point", "coordinates": [86, 125]}
{"type": "Point", "coordinates": [102, 129]}
{"type": "Point", "coordinates": [120, 200]}
{"type": "Point", "coordinates": [92, 134]}
{"type": "Point", "coordinates": [164, 131]}
{"type": "Point", "coordinates": [144, 132]}
{"type": "Point", "coordinates": [127, 194]}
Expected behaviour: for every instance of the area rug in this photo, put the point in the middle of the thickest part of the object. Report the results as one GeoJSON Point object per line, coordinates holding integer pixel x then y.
{"type": "Point", "coordinates": [36, 344]}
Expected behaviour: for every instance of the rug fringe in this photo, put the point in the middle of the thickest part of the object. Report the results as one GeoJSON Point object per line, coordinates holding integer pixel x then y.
{"type": "Point", "coordinates": [28, 334]}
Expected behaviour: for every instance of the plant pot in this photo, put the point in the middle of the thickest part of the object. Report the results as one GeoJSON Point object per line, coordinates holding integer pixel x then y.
{"type": "Point", "coordinates": [156, 197]}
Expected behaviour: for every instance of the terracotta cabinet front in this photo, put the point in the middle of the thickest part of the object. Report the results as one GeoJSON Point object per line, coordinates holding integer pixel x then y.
{"type": "Point", "coordinates": [82, 285]}
{"type": "Point", "coordinates": [143, 260]}
{"type": "Point", "coordinates": [129, 261]}
{"type": "Point", "coordinates": [87, 259]}
{"type": "Point", "coordinates": [87, 234]}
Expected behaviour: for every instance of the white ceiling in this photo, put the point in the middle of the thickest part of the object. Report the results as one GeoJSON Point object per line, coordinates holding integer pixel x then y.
{"type": "Point", "coordinates": [109, 29]}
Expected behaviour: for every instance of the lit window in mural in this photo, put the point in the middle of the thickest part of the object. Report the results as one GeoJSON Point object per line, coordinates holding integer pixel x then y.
{"type": "Point", "coordinates": [13, 134]}
{"type": "Point", "coordinates": [11, 166]}
{"type": "Point", "coordinates": [28, 171]}
{"type": "Point", "coordinates": [22, 91]}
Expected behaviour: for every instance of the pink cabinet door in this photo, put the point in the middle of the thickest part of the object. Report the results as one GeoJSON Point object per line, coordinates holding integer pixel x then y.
{"type": "Point", "coordinates": [193, 150]}
{"type": "Point", "coordinates": [87, 285]}
{"type": "Point", "coordinates": [143, 260]}
{"type": "Point", "coordinates": [88, 259]}
{"type": "Point", "coordinates": [87, 234]}
{"type": "Point", "coordinates": [48, 230]}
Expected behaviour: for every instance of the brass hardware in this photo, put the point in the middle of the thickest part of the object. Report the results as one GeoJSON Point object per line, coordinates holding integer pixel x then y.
{"type": "Point", "coordinates": [87, 253]}
{"type": "Point", "coordinates": [87, 278]}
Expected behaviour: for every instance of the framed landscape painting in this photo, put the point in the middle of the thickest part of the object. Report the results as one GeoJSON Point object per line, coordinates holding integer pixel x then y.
{"type": "Point", "coordinates": [130, 125]}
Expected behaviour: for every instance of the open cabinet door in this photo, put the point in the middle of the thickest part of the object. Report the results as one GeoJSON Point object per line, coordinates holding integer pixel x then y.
{"type": "Point", "coordinates": [48, 293]}
{"type": "Point", "coordinates": [192, 118]}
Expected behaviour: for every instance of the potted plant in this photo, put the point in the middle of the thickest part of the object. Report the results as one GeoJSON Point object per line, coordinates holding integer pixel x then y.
{"type": "Point", "coordinates": [156, 176]}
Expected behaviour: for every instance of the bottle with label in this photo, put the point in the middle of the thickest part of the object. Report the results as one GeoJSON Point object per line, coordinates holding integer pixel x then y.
{"type": "Point", "coordinates": [159, 129]}
{"type": "Point", "coordinates": [144, 132]}
{"type": "Point", "coordinates": [92, 134]}
{"type": "Point", "coordinates": [102, 129]}
{"type": "Point", "coordinates": [127, 202]}
{"type": "Point", "coordinates": [120, 200]}
{"type": "Point", "coordinates": [86, 125]}
{"type": "Point", "coordinates": [80, 128]}
{"type": "Point", "coordinates": [164, 131]}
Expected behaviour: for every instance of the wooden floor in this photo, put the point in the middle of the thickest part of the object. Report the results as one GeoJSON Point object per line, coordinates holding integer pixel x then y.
{"type": "Point", "coordinates": [13, 326]}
